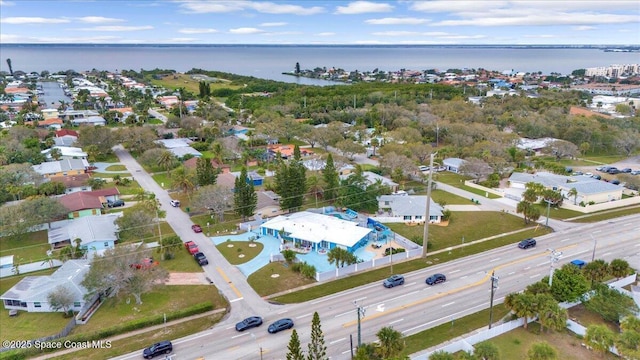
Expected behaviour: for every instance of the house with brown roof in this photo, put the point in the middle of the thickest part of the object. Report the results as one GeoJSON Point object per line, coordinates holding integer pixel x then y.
{"type": "Point", "coordinates": [86, 203]}
{"type": "Point", "coordinates": [224, 168]}
{"type": "Point", "coordinates": [74, 183]}
{"type": "Point", "coordinates": [286, 151]}
{"type": "Point", "coordinates": [65, 132]}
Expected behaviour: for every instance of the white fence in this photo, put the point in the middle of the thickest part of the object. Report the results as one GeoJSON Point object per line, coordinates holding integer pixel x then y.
{"type": "Point", "coordinates": [568, 204]}
{"type": "Point", "coordinates": [365, 265]}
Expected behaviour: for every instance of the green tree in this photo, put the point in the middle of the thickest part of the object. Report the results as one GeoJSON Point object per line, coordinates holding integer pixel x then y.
{"type": "Point", "coordinates": [331, 179]}
{"type": "Point", "coordinates": [600, 338]}
{"type": "Point", "coordinates": [619, 268]}
{"type": "Point", "coordinates": [341, 257]}
{"type": "Point", "coordinates": [391, 343]}
{"type": "Point", "coordinates": [550, 315]}
{"type": "Point", "coordinates": [317, 350]}
{"type": "Point", "coordinates": [291, 182]}
{"type": "Point", "coordinates": [135, 224]}
{"type": "Point", "coordinates": [60, 299]}
{"type": "Point", "coordinates": [289, 255]}
{"type": "Point", "coordinates": [183, 180]}
{"type": "Point", "coordinates": [169, 245]}
{"type": "Point", "coordinates": [486, 351]}
{"type": "Point", "coordinates": [245, 198]}
{"type": "Point", "coordinates": [366, 352]}
{"type": "Point", "coordinates": [294, 350]}
{"type": "Point", "coordinates": [523, 305]}
{"type": "Point", "coordinates": [610, 303]}
{"type": "Point", "coordinates": [596, 270]}
{"type": "Point", "coordinates": [542, 351]}
{"type": "Point", "coordinates": [628, 342]}
{"type": "Point", "coordinates": [167, 160]}
{"type": "Point", "coordinates": [205, 173]}
{"type": "Point", "coordinates": [573, 192]}
{"type": "Point", "coordinates": [441, 355]}
{"type": "Point", "coordinates": [569, 283]}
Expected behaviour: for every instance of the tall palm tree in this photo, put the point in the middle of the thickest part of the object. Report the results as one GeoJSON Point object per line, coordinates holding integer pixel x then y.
{"type": "Point", "coordinates": [314, 186]}
{"type": "Point", "coordinates": [183, 180]}
{"type": "Point", "coordinates": [390, 344]}
{"type": "Point", "coordinates": [573, 192]}
{"type": "Point", "coordinates": [600, 338]}
{"type": "Point", "coordinates": [596, 270]}
{"type": "Point", "coordinates": [166, 160]}
{"type": "Point", "coordinates": [524, 305]}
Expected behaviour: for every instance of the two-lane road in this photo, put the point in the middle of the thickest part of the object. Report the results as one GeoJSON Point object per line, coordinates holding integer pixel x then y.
{"type": "Point", "coordinates": [415, 306]}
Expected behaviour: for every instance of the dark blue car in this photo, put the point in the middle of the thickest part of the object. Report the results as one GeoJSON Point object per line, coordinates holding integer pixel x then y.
{"type": "Point", "coordinates": [282, 324]}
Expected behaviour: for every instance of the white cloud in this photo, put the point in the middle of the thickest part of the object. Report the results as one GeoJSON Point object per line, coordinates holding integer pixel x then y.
{"type": "Point", "coordinates": [233, 6]}
{"type": "Point", "coordinates": [272, 24]}
{"type": "Point", "coordinates": [33, 20]}
{"type": "Point", "coordinates": [584, 28]}
{"type": "Point", "coordinates": [540, 36]}
{"type": "Point", "coordinates": [395, 33]}
{"type": "Point", "coordinates": [246, 31]}
{"type": "Point", "coordinates": [397, 21]}
{"type": "Point", "coordinates": [182, 40]}
{"type": "Point", "coordinates": [98, 19]}
{"type": "Point", "coordinates": [197, 31]}
{"type": "Point", "coordinates": [435, 34]}
{"type": "Point", "coordinates": [363, 7]}
{"type": "Point", "coordinates": [326, 34]}
{"type": "Point", "coordinates": [539, 19]}
{"type": "Point", "coordinates": [117, 28]}
{"type": "Point", "coordinates": [7, 38]}
{"type": "Point", "coordinates": [6, 3]}
{"type": "Point", "coordinates": [436, 6]}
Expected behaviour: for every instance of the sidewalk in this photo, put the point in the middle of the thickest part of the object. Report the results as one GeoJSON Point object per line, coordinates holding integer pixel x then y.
{"type": "Point", "coordinates": [134, 333]}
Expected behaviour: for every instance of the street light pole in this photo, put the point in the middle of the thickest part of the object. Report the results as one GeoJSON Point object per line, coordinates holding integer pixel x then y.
{"type": "Point", "coordinates": [427, 216]}
{"type": "Point", "coordinates": [360, 310]}
{"type": "Point", "coordinates": [595, 244]}
{"type": "Point", "coordinates": [553, 258]}
{"type": "Point", "coordinates": [494, 286]}
{"type": "Point", "coordinates": [548, 208]}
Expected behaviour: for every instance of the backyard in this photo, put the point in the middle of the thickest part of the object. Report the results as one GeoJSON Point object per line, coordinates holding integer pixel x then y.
{"type": "Point", "coordinates": [240, 252]}
{"type": "Point", "coordinates": [28, 248]}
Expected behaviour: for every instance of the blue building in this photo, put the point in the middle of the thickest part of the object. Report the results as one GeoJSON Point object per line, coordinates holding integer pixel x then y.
{"type": "Point", "coordinates": [255, 178]}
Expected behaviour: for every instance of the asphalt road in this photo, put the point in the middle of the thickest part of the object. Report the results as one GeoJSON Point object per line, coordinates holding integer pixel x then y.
{"type": "Point", "coordinates": [415, 306]}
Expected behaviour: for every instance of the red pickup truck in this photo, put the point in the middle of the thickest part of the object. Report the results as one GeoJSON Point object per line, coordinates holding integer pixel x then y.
{"type": "Point", "coordinates": [191, 247]}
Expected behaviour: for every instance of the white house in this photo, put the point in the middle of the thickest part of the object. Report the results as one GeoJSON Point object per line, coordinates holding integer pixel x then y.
{"type": "Point", "coordinates": [372, 178]}
{"type": "Point", "coordinates": [91, 120]}
{"type": "Point", "coordinates": [453, 164]}
{"type": "Point", "coordinates": [96, 232]}
{"type": "Point", "coordinates": [407, 209]}
{"type": "Point", "coordinates": [179, 147]}
{"type": "Point", "coordinates": [589, 189]}
{"type": "Point", "coordinates": [30, 294]}
{"type": "Point", "coordinates": [66, 152]}
{"type": "Point", "coordinates": [316, 232]}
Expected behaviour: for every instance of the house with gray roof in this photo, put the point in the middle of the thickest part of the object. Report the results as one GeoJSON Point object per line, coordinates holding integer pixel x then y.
{"type": "Point", "coordinates": [371, 178]}
{"type": "Point", "coordinates": [96, 233]}
{"type": "Point", "coordinates": [588, 188]}
{"type": "Point", "coordinates": [30, 294]}
{"type": "Point", "coordinates": [179, 147]}
{"type": "Point", "coordinates": [407, 209]}
{"type": "Point", "coordinates": [62, 167]}
{"type": "Point", "coordinates": [453, 164]}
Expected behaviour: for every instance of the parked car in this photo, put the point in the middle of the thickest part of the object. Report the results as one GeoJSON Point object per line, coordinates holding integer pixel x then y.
{"type": "Point", "coordinates": [175, 203]}
{"type": "Point", "coordinates": [116, 203]}
{"type": "Point", "coordinates": [279, 325]}
{"type": "Point", "coordinates": [615, 182]}
{"type": "Point", "coordinates": [436, 279]}
{"type": "Point", "coordinates": [162, 347]}
{"type": "Point", "coordinates": [588, 174]}
{"type": "Point", "coordinates": [597, 177]}
{"type": "Point", "coordinates": [423, 168]}
{"type": "Point", "coordinates": [248, 323]}
{"type": "Point", "coordinates": [527, 243]}
{"type": "Point", "coordinates": [196, 228]}
{"type": "Point", "coordinates": [201, 259]}
{"type": "Point", "coordinates": [635, 172]}
{"type": "Point", "coordinates": [613, 171]}
{"type": "Point", "coordinates": [393, 280]}
{"type": "Point", "coordinates": [626, 170]}
{"type": "Point", "coordinates": [576, 173]}
{"type": "Point", "coordinates": [604, 168]}
{"type": "Point", "coordinates": [192, 247]}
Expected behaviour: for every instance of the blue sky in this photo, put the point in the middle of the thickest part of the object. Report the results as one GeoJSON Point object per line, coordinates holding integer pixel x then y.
{"type": "Point", "coordinates": [321, 22]}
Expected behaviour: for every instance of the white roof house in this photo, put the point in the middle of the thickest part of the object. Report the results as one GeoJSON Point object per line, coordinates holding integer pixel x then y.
{"type": "Point", "coordinates": [408, 209]}
{"type": "Point", "coordinates": [30, 294]}
{"type": "Point", "coordinates": [372, 178]}
{"type": "Point", "coordinates": [66, 152]}
{"type": "Point", "coordinates": [588, 188]}
{"type": "Point", "coordinates": [96, 232]}
{"type": "Point", "coordinates": [453, 164]}
{"type": "Point", "coordinates": [66, 140]}
{"type": "Point", "coordinates": [61, 167]}
{"type": "Point", "coordinates": [179, 147]}
{"type": "Point", "coordinates": [319, 231]}
{"type": "Point", "coordinates": [91, 120]}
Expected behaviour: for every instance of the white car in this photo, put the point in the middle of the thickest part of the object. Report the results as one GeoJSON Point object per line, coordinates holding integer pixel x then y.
{"type": "Point", "coordinates": [588, 174]}
{"type": "Point", "coordinates": [423, 168]}
{"type": "Point", "coordinates": [175, 203]}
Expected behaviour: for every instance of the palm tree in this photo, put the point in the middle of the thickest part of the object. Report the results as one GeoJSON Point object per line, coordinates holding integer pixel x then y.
{"type": "Point", "coordinates": [166, 160]}
{"type": "Point", "coordinates": [524, 305]}
{"type": "Point", "coordinates": [619, 268]}
{"type": "Point", "coordinates": [313, 184]}
{"type": "Point", "coordinates": [573, 192]}
{"type": "Point", "coordinates": [390, 344]}
{"type": "Point", "coordinates": [217, 152]}
{"type": "Point", "coordinates": [441, 355]}
{"type": "Point", "coordinates": [486, 351]}
{"type": "Point", "coordinates": [596, 270]}
{"type": "Point", "coordinates": [542, 351]}
{"type": "Point", "coordinates": [183, 180]}
{"type": "Point", "coordinates": [600, 338]}
{"type": "Point", "coordinates": [340, 257]}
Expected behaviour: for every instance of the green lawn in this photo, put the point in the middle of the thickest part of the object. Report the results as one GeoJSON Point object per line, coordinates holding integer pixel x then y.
{"type": "Point", "coordinates": [216, 228]}
{"type": "Point", "coordinates": [108, 175]}
{"type": "Point", "coordinates": [132, 189]}
{"type": "Point", "coordinates": [239, 252]}
{"type": "Point", "coordinates": [182, 262]}
{"type": "Point", "coordinates": [556, 213]}
{"type": "Point", "coordinates": [604, 159]}
{"type": "Point", "coordinates": [116, 168]}
{"type": "Point", "coordinates": [28, 248]}
{"type": "Point", "coordinates": [470, 225]}
{"type": "Point", "coordinates": [163, 180]}
{"type": "Point", "coordinates": [441, 333]}
{"type": "Point", "coordinates": [363, 278]}
{"type": "Point", "coordinates": [265, 282]}
{"type": "Point", "coordinates": [457, 180]}
{"type": "Point", "coordinates": [165, 299]}
{"type": "Point", "coordinates": [608, 214]}
{"type": "Point", "coordinates": [28, 325]}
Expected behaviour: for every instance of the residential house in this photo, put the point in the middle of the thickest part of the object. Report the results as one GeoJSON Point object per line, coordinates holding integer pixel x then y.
{"type": "Point", "coordinates": [31, 293]}
{"type": "Point", "coordinates": [223, 168]}
{"type": "Point", "coordinates": [316, 232]}
{"type": "Point", "coordinates": [179, 147]}
{"type": "Point", "coordinates": [407, 209]}
{"type": "Point", "coordinates": [255, 178]}
{"type": "Point", "coordinates": [74, 183]}
{"type": "Point", "coordinates": [66, 132]}
{"type": "Point", "coordinates": [86, 203]}
{"type": "Point", "coordinates": [372, 178]}
{"type": "Point", "coordinates": [453, 164]}
{"type": "Point", "coordinates": [588, 188]}
{"type": "Point", "coordinates": [286, 151]}
{"type": "Point", "coordinates": [91, 120]}
{"type": "Point", "coordinates": [66, 152]}
{"type": "Point", "coordinates": [96, 233]}
{"type": "Point", "coordinates": [62, 167]}
{"type": "Point", "coordinates": [66, 140]}
{"type": "Point", "coordinates": [535, 146]}
{"type": "Point", "coordinates": [77, 114]}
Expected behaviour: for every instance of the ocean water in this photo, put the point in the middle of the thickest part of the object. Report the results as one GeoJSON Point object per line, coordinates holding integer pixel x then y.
{"type": "Point", "coordinates": [269, 62]}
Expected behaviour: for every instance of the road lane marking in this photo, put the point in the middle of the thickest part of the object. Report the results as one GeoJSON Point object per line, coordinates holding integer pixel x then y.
{"type": "Point", "coordinates": [304, 316]}
{"type": "Point", "coordinates": [453, 291]}
{"type": "Point", "coordinates": [442, 318]}
{"type": "Point", "coordinates": [282, 312]}
{"type": "Point", "coordinates": [454, 271]}
{"type": "Point", "coordinates": [233, 287]}
{"type": "Point", "coordinates": [464, 277]}
{"type": "Point", "coordinates": [451, 303]}
{"type": "Point", "coordinates": [605, 254]}
{"type": "Point", "coordinates": [396, 321]}
{"type": "Point", "coordinates": [597, 231]}
{"type": "Point", "coordinates": [337, 341]}
{"type": "Point", "coordinates": [534, 276]}
{"type": "Point", "coordinates": [360, 299]}
{"type": "Point", "coordinates": [527, 268]}
{"type": "Point", "coordinates": [241, 335]}
{"type": "Point", "coordinates": [345, 293]}
{"type": "Point", "coordinates": [413, 283]}
{"type": "Point", "coordinates": [511, 273]}
{"type": "Point", "coordinates": [236, 299]}
{"type": "Point", "coordinates": [496, 259]}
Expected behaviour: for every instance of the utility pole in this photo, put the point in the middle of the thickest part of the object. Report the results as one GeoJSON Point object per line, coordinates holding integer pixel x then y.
{"type": "Point", "coordinates": [494, 286]}
{"type": "Point", "coordinates": [548, 208]}
{"type": "Point", "coordinates": [360, 310]}
{"type": "Point", "coordinates": [553, 258]}
{"type": "Point", "coordinates": [427, 216]}
{"type": "Point", "coordinates": [595, 244]}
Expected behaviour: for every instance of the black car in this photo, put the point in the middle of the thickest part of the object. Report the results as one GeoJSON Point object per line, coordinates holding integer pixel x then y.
{"type": "Point", "coordinates": [393, 280]}
{"type": "Point", "coordinates": [116, 203]}
{"type": "Point", "coordinates": [527, 243]}
{"type": "Point", "coordinates": [613, 171]}
{"type": "Point", "coordinates": [597, 177]}
{"type": "Point", "coordinates": [282, 324]}
{"type": "Point", "coordinates": [626, 170]}
{"type": "Point", "coordinates": [163, 347]}
{"type": "Point", "coordinates": [248, 323]}
{"type": "Point", "coordinates": [436, 279]}
{"type": "Point", "coordinates": [615, 182]}
{"type": "Point", "coordinates": [201, 259]}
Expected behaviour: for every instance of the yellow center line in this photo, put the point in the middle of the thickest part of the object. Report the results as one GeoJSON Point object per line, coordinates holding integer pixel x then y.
{"type": "Point", "coordinates": [233, 287]}
{"type": "Point", "coordinates": [437, 296]}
